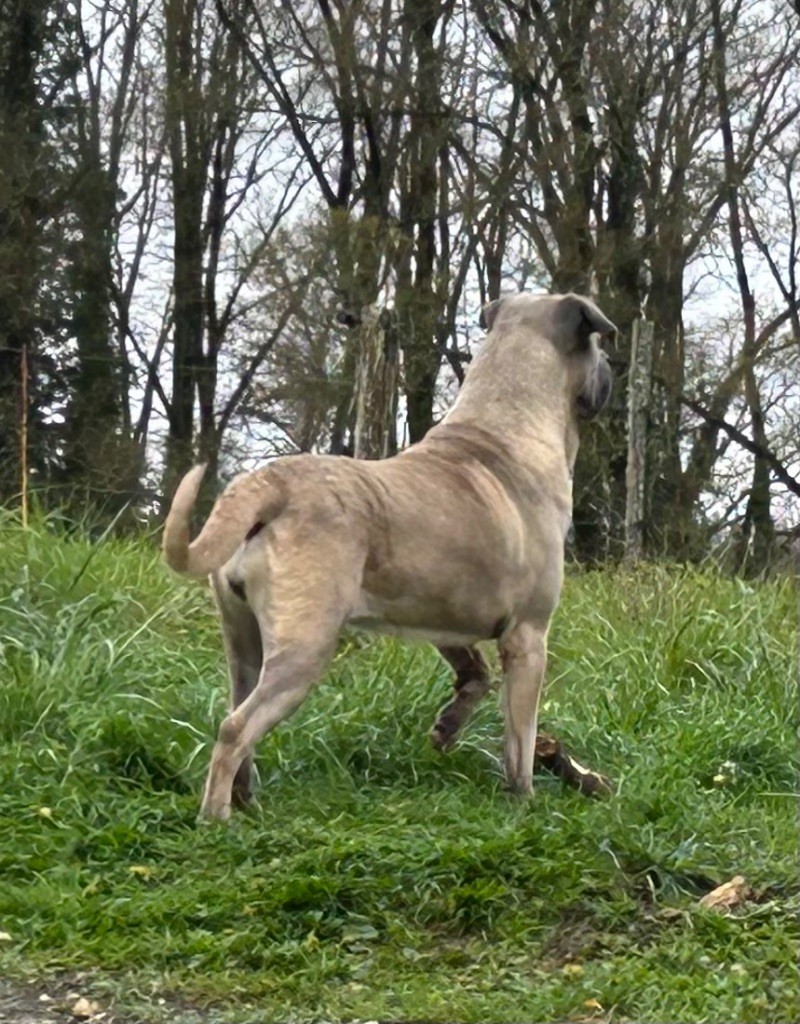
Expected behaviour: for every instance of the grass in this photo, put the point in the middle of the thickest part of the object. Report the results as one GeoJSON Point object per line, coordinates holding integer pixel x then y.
{"type": "Point", "coordinates": [380, 880]}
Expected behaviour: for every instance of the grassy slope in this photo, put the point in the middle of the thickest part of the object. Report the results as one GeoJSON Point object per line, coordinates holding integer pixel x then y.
{"type": "Point", "coordinates": [381, 880]}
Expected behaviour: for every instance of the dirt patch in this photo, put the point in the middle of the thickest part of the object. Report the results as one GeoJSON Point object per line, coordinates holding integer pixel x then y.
{"type": "Point", "coordinates": [24, 1004]}
{"type": "Point", "coordinates": [68, 1001]}
{"type": "Point", "coordinates": [28, 1004]}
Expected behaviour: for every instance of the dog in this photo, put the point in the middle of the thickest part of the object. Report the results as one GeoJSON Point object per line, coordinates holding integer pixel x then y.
{"type": "Point", "coordinates": [457, 539]}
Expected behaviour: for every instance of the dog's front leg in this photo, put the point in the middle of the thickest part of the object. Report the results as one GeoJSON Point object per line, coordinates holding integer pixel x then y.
{"type": "Point", "coordinates": [523, 653]}
{"type": "Point", "coordinates": [472, 683]}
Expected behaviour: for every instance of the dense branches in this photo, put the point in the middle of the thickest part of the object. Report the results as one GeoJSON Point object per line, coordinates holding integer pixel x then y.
{"type": "Point", "coordinates": [231, 227]}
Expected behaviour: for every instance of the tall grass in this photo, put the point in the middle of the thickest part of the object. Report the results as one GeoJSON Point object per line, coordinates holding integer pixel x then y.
{"type": "Point", "coordinates": [379, 879]}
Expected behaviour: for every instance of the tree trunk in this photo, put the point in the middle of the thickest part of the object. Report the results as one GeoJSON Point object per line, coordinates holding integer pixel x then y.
{"type": "Point", "coordinates": [96, 458]}
{"type": "Point", "coordinates": [418, 304]}
{"type": "Point", "coordinates": [21, 169]}
{"type": "Point", "coordinates": [756, 546]}
{"type": "Point", "coordinates": [758, 518]}
{"type": "Point", "coordinates": [670, 508]}
{"type": "Point", "coordinates": [188, 165]}
{"type": "Point", "coordinates": [375, 435]}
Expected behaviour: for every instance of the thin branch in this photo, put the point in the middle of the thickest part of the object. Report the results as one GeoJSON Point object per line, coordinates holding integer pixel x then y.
{"type": "Point", "coordinates": [271, 77]}
{"type": "Point", "coordinates": [781, 473]}
{"type": "Point", "coordinates": [261, 354]}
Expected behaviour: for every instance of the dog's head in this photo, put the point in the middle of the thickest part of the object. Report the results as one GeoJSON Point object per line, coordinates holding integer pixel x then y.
{"type": "Point", "coordinates": [573, 324]}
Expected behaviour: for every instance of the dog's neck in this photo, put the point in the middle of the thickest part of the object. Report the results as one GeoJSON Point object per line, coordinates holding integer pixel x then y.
{"type": "Point", "coordinates": [521, 396]}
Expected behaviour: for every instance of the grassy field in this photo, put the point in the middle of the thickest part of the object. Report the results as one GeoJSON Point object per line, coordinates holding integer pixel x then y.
{"type": "Point", "coordinates": [379, 880]}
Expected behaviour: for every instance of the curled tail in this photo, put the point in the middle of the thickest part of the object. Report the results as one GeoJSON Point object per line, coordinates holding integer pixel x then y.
{"type": "Point", "coordinates": [246, 501]}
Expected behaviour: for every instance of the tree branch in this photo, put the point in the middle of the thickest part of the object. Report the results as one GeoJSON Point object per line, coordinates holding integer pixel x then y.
{"type": "Point", "coordinates": [781, 473]}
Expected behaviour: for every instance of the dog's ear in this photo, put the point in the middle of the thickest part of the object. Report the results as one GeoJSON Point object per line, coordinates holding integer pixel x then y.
{"type": "Point", "coordinates": [580, 318]}
{"type": "Point", "coordinates": [489, 312]}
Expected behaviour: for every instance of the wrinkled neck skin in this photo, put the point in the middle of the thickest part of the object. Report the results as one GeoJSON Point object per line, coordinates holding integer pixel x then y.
{"type": "Point", "coordinates": [523, 394]}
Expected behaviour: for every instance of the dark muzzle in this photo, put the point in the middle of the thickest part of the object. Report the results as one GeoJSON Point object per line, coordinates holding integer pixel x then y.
{"type": "Point", "coordinates": [594, 398]}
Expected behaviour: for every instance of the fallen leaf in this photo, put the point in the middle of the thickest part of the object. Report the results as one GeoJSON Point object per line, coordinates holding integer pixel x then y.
{"type": "Point", "coordinates": [728, 895]}
{"type": "Point", "coordinates": [85, 1008]}
{"type": "Point", "coordinates": [140, 870]}
{"type": "Point", "coordinates": [727, 773]}
{"type": "Point", "coordinates": [357, 932]}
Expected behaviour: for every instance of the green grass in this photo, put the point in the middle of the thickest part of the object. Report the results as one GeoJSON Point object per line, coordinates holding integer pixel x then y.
{"type": "Point", "coordinates": [380, 880]}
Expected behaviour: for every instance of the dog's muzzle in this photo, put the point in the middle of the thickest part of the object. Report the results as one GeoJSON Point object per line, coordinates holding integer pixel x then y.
{"type": "Point", "coordinates": [594, 397]}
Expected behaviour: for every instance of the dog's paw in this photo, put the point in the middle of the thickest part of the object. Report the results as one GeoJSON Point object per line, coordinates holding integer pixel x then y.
{"type": "Point", "coordinates": [210, 815]}
{"type": "Point", "coordinates": [243, 799]}
{"type": "Point", "coordinates": [446, 729]}
{"type": "Point", "coordinates": [442, 738]}
{"type": "Point", "coordinates": [521, 789]}
{"type": "Point", "coordinates": [250, 808]}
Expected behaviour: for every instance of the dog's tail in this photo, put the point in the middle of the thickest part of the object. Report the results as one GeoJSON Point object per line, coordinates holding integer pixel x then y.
{"type": "Point", "coordinates": [246, 504]}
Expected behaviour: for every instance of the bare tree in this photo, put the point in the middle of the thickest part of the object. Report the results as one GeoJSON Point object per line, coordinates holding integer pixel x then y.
{"type": "Point", "coordinates": [269, 226]}
{"type": "Point", "coordinates": [23, 168]}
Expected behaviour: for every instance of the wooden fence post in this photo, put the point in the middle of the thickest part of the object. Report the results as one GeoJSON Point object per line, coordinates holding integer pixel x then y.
{"type": "Point", "coordinates": [639, 382]}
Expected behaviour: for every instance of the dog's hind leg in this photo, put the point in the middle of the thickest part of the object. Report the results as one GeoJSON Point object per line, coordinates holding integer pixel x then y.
{"type": "Point", "coordinates": [471, 684]}
{"type": "Point", "coordinates": [287, 676]}
{"type": "Point", "coordinates": [245, 655]}
{"type": "Point", "coordinates": [523, 653]}
{"type": "Point", "coordinates": [300, 604]}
